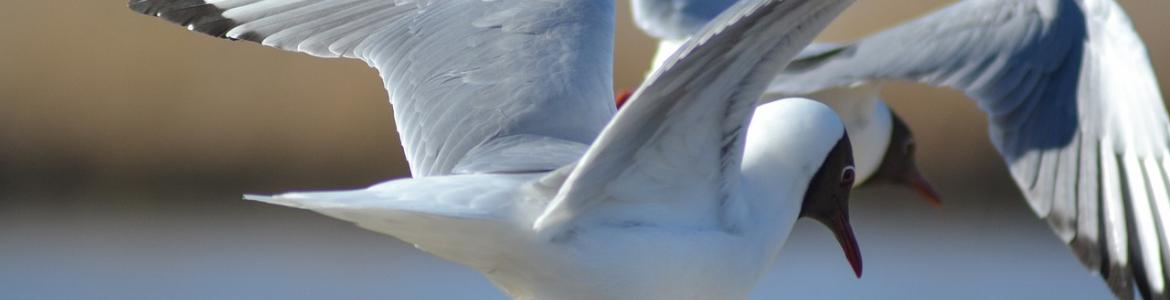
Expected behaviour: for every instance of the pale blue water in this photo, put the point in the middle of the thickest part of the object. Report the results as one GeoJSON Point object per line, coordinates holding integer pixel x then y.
{"type": "Point", "coordinates": [99, 250]}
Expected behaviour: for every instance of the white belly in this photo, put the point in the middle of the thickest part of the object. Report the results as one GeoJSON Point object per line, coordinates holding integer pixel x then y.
{"type": "Point", "coordinates": [646, 263]}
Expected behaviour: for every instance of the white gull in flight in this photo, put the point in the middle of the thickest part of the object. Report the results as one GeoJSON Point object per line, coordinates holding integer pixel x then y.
{"type": "Point", "coordinates": [1073, 103]}
{"type": "Point", "coordinates": [523, 171]}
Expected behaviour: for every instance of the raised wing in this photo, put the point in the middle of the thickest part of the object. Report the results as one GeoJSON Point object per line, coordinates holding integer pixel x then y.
{"type": "Point", "coordinates": [672, 154]}
{"type": "Point", "coordinates": [461, 74]}
{"type": "Point", "coordinates": [1074, 108]}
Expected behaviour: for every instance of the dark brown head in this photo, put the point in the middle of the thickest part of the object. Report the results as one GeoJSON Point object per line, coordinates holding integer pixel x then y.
{"type": "Point", "coordinates": [899, 167]}
{"type": "Point", "coordinates": [827, 199]}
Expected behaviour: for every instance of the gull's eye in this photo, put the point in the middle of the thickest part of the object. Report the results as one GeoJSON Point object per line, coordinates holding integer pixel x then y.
{"type": "Point", "coordinates": [847, 176]}
{"type": "Point", "coordinates": [909, 146]}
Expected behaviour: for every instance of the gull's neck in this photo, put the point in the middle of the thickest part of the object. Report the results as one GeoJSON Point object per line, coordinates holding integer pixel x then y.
{"type": "Point", "coordinates": [774, 195]}
{"type": "Point", "coordinates": [787, 142]}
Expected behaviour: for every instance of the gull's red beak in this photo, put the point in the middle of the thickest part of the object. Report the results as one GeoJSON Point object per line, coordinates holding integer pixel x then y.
{"type": "Point", "coordinates": [838, 222]}
{"type": "Point", "coordinates": [844, 233]}
{"type": "Point", "coordinates": [899, 166]}
{"type": "Point", "coordinates": [923, 187]}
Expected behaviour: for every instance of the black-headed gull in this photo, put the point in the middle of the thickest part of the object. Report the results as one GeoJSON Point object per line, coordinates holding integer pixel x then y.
{"type": "Point", "coordinates": [1074, 106]}
{"type": "Point", "coordinates": [872, 124]}
{"type": "Point", "coordinates": [522, 170]}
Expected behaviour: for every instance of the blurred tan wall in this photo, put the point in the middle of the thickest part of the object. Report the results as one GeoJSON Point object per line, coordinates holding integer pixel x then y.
{"type": "Point", "coordinates": [91, 91]}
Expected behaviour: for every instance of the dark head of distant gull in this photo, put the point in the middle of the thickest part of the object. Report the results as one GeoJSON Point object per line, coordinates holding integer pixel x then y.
{"type": "Point", "coordinates": [899, 165]}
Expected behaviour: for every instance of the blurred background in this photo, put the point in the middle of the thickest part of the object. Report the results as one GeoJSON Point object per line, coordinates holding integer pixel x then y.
{"type": "Point", "coordinates": [125, 144]}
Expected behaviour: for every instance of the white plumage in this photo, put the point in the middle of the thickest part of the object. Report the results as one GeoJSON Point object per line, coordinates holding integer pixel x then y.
{"type": "Point", "coordinates": [524, 173]}
{"type": "Point", "coordinates": [1073, 103]}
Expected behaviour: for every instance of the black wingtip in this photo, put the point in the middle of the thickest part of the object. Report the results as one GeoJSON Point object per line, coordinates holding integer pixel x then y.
{"type": "Point", "coordinates": [1089, 252]}
{"type": "Point", "coordinates": [1120, 282]}
{"type": "Point", "coordinates": [197, 15]}
{"type": "Point", "coordinates": [154, 7]}
{"type": "Point", "coordinates": [140, 6]}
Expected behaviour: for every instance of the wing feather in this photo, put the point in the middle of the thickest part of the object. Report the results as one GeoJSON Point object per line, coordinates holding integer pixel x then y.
{"type": "Point", "coordinates": [1116, 225]}
{"type": "Point", "coordinates": [460, 73]}
{"type": "Point", "coordinates": [682, 134]}
{"type": "Point", "coordinates": [1088, 243]}
{"type": "Point", "coordinates": [1074, 108]}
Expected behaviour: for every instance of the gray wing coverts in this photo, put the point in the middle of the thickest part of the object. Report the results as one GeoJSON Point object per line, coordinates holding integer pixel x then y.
{"type": "Point", "coordinates": [460, 73]}
{"type": "Point", "coordinates": [668, 127]}
{"type": "Point", "coordinates": [1088, 162]}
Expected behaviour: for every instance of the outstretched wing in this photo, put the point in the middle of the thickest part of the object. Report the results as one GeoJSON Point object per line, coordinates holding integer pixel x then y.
{"type": "Point", "coordinates": [672, 154]}
{"type": "Point", "coordinates": [519, 75]}
{"type": "Point", "coordinates": [1074, 108]}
